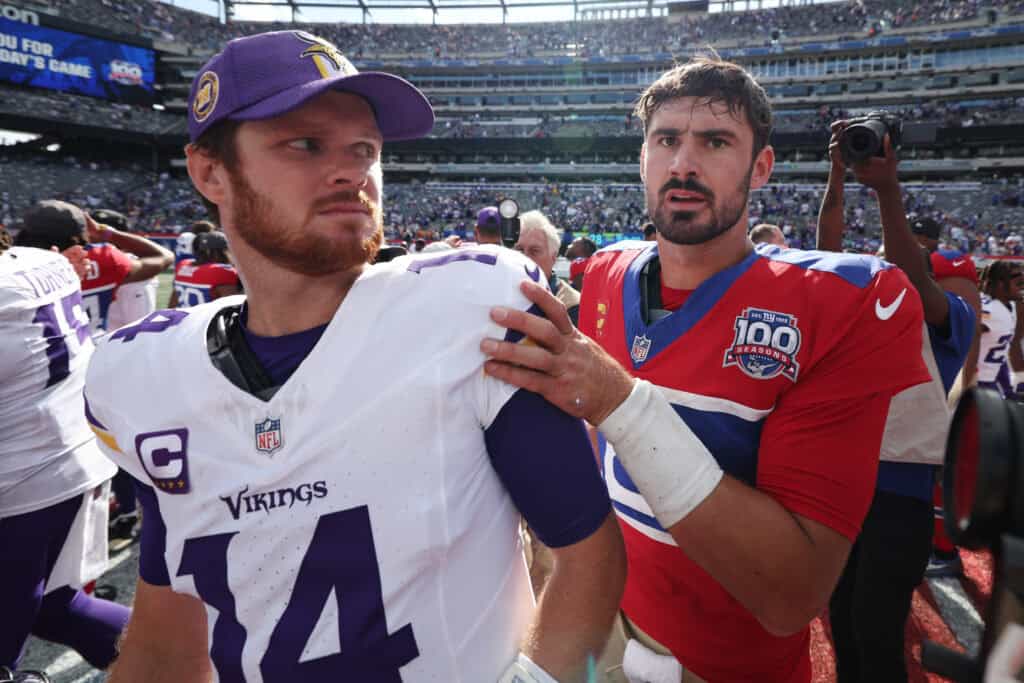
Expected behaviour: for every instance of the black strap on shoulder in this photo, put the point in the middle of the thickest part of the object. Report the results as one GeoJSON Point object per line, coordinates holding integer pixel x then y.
{"type": "Point", "coordinates": [650, 292]}
{"type": "Point", "coordinates": [231, 355]}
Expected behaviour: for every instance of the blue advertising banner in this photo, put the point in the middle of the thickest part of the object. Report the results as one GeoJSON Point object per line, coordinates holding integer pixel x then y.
{"type": "Point", "coordinates": [44, 57]}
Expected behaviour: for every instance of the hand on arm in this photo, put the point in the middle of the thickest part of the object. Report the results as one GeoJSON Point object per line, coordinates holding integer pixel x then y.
{"type": "Point", "coordinates": [831, 217]}
{"type": "Point", "coordinates": [901, 247]}
{"type": "Point", "coordinates": [564, 366]}
{"type": "Point", "coordinates": [165, 641]}
{"type": "Point", "coordinates": [152, 258]}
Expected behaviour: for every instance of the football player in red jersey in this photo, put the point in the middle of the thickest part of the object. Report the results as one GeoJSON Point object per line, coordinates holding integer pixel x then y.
{"type": "Point", "coordinates": [208, 276]}
{"type": "Point", "coordinates": [63, 225]}
{"type": "Point", "coordinates": [742, 392]}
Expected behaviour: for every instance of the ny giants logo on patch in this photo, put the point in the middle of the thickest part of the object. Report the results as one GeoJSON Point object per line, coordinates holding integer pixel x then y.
{"type": "Point", "coordinates": [641, 347]}
{"type": "Point", "coordinates": [765, 345]}
{"type": "Point", "coordinates": [268, 435]}
{"type": "Point", "coordinates": [164, 456]}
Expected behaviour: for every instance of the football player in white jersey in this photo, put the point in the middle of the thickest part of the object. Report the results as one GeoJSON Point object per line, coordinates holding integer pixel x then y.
{"type": "Point", "coordinates": [291, 529]}
{"type": "Point", "coordinates": [52, 475]}
{"type": "Point", "coordinates": [183, 245]}
{"type": "Point", "coordinates": [134, 299]}
{"type": "Point", "coordinates": [1001, 286]}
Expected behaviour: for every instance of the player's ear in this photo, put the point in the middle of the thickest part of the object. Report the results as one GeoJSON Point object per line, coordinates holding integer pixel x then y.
{"type": "Point", "coordinates": [761, 171]}
{"type": "Point", "coordinates": [643, 159]}
{"type": "Point", "coordinates": [207, 173]}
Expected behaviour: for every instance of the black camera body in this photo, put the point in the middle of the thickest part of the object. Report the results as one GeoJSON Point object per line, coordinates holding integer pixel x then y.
{"type": "Point", "coordinates": [864, 137]}
{"type": "Point", "coordinates": [508, 211]}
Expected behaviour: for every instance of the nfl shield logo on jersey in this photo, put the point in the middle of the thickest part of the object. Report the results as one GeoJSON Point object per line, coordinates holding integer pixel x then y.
{"type": "Point", "coordinates": [765, 345]}
{"type": "Point", "coordinates": [268, 435]}
{"type": "Point", "coordinates": [641, 347]}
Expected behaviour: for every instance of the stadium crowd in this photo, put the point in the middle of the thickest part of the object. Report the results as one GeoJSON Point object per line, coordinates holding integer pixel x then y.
{"type": "Point", "coordinates": [87, 111]}
{"type": "Point", "coordinates": [988, 219]}
{"type": "Point", "coordinates": [591, 38]}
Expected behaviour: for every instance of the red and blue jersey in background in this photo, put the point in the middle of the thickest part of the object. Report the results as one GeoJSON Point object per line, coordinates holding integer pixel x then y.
{"type": "Point", "coordinates": [107, 268]}
{"type": "Point", "coordinates": [194, 282]}
{"type": "Point", "coordinates": [783, 365]}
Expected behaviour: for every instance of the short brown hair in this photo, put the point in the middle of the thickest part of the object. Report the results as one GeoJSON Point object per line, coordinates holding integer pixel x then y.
{"type": "Point", "coordinates": [714, 80]}
{"type": "Point", "coordinates": [5, 240]}
{"type": "Point", "coordinates": [218, 142]}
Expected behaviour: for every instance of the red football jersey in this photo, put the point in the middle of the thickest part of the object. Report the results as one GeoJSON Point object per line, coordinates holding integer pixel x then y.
{"type": "Point", "coordinates": [194, 282]}
{"type": "Point", "coordinates": [108, 268]}
{"type": "Point", "coordinates": [783, 365]}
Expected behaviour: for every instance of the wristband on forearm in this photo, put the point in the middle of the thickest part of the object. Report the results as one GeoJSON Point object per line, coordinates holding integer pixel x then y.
{"type": "Point", "coordinates": [525, 670]}
{"type": "Point", "coordinates": [670, 466]}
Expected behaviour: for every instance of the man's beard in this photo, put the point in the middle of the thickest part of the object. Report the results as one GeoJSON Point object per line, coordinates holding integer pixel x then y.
{"type": "Point", "coordinates": [679, 227]}
{"type": "Point", "coordinates": [296, 247]}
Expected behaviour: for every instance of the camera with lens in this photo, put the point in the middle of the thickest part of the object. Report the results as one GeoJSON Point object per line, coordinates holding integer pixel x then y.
{"type": "Point", "coordinates": [864, 137]}
{"type": "Point", "coordinates": [983, 504]}
{"type": "Point", "coordinates": [508, 209]}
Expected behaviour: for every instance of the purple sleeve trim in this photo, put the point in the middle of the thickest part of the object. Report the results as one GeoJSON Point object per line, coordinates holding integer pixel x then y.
{"type": "Point", "coordinates": [92, 418]}
{"type": "Point", "coordinates": [153, 539]}
{"type": "Point", "coordinates": [544, 459]}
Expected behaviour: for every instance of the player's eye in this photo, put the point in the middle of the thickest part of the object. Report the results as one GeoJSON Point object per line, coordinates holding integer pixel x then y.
{"type": "Point", "coordinates": [717, 143]}
{"type": "Point", "coordinates": [667, 141]}
{"type": "Point", "coordinates": [305, 144]}
{"type": "Point", "coordinates": [367, 150]}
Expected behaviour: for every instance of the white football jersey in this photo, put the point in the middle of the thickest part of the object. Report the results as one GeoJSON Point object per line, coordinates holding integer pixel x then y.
{"type": "Point", "coordinates": [134, 300]}
{"type": "Point", "coordinates": [183, 245]}
{"type": "Point", "coordinates": [352, 527]}
{"type": "Point", "coordinates": [1001, 322]}
{"type": "Point", "coordinates": [48, 453]}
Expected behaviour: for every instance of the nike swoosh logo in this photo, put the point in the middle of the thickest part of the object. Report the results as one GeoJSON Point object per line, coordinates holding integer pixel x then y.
{"type": "Point", "coordinates": [886, 312]}
{"type": "Point", "coordinates": [957, 264]}
{"type": "Point", "coordinates": [534, 274]}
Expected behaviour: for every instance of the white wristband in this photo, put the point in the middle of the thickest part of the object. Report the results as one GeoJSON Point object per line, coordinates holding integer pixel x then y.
{"type": "Point", "coordinates": [525, 670]}
{"type": "Point", "coordinates": [670, 466]}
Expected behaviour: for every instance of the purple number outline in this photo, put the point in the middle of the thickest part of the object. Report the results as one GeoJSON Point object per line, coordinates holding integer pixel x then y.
{"type": "Point", "coordinates": [368, 653]}
{"type": "Point", "coordinates": [57, 352]}
{"type": "Point", "coordinates": [157, 321]}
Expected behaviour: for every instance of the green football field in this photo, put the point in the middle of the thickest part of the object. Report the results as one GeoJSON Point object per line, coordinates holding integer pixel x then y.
{"type": "Point", "coordinates": [163, 293]}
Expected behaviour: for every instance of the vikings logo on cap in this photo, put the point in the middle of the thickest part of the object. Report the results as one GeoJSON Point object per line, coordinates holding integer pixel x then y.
{"type": "Point", "coordinates": [206, 96]}
{"type": "Point", "coordinates": [766, 345]}
{"type": "Point", "coordinates": [329, 61]}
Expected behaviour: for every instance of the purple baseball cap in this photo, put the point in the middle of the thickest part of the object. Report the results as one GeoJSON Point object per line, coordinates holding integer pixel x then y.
{"type": "Point", "coordinates": [488, 217]}
{"type": "Point", "coordinates": [269, 74]}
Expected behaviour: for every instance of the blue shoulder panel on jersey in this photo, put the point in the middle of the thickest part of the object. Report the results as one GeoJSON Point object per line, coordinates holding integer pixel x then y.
{"type": "Point", "coordinates": [950, 254]}
{"type": "Point", "coordinates": [152, 539]}
{"type": "Point", "coordinates": [857, 269]}
{"type": "Point", "coordinates": [544, 459]}
{"type": "Point", "coordinates": [665, 331]}
{"type": "Point", "coordinates": [950, 352]}
{"type": "Point", "coordinates": [623, 245]}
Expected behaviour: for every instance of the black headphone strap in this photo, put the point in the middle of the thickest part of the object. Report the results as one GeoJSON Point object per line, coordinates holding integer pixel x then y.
{"type": "Point", "coordinates": [231, 355]}
{"type": "Point", "coordinates": [650, 290]}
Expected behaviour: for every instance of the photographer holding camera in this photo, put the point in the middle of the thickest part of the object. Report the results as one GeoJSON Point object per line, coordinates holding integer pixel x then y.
{"type": "Point", "coordinates": [870, 605]}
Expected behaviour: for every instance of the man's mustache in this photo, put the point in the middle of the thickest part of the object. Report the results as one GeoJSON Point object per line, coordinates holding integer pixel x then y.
{"type": "Point", "coordinates": [689, 185]}
{"type": "Point", "coordinates": [347, 196]}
